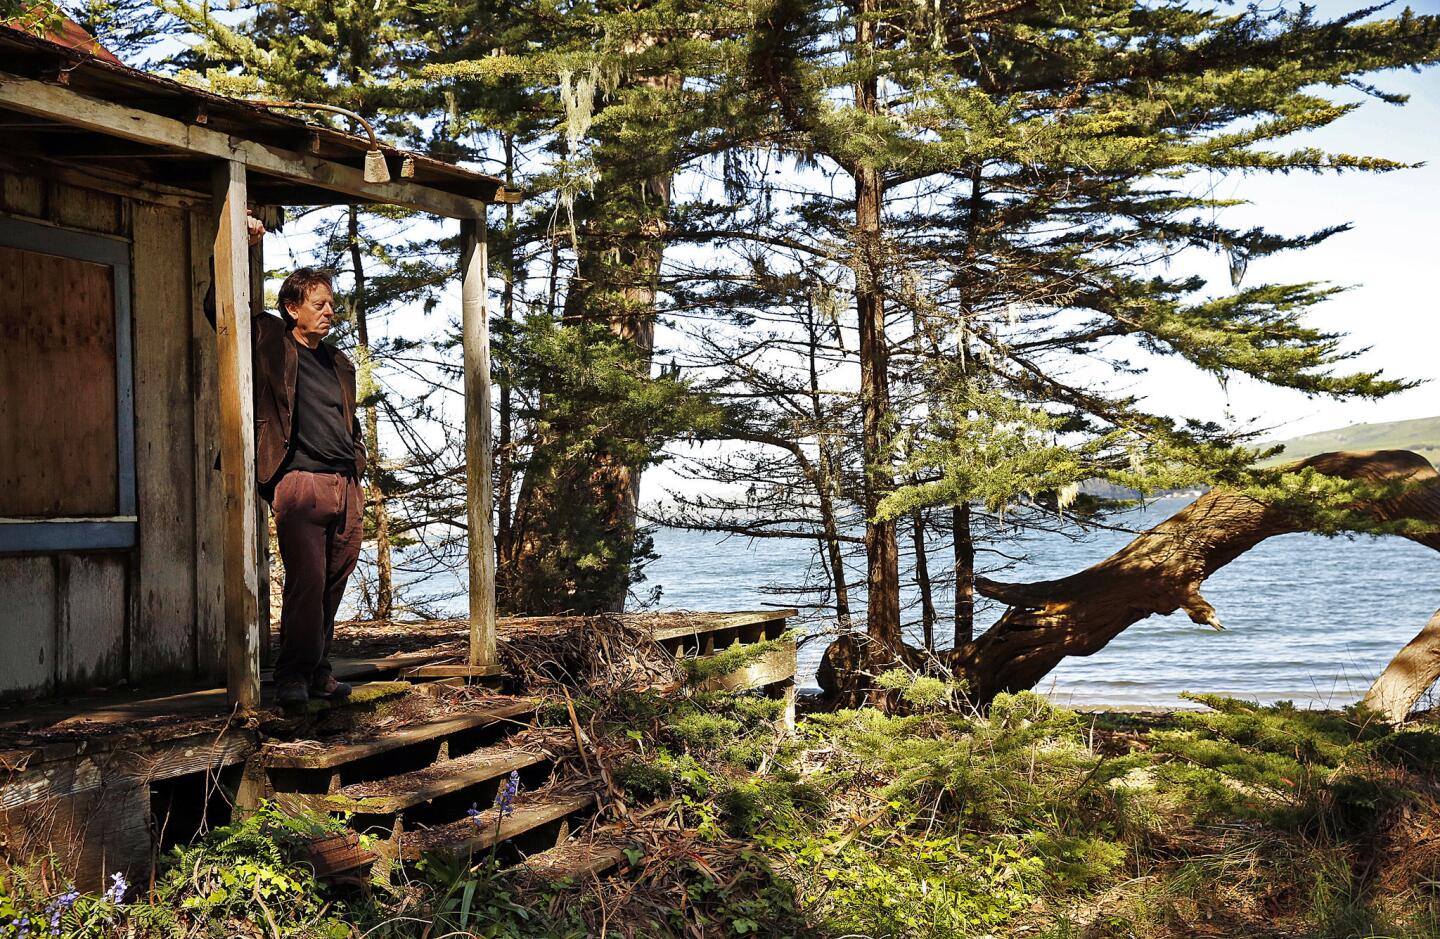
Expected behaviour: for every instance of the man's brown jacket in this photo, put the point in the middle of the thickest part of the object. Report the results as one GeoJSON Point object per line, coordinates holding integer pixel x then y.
{"type": "Point", "coordinates": [276, 365]}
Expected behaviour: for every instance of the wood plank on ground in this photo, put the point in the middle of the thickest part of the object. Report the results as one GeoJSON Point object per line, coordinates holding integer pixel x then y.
{"type": "Point", "coordinates": [573, 860]}
{"type": "Point", "coordinates": [112, 707]}
{"type": "Point", "coordinates": [452, 671]}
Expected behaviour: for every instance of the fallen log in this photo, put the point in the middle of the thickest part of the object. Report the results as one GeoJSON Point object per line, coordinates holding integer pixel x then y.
{"type": "Point", "coordinates": [1161, 571]}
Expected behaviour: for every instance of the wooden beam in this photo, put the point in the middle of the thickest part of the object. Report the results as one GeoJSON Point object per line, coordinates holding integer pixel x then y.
{"type": "Point", "coordinates": [237, 441]}
{"type": "Point", "coordinates": [262, 508]}
{"type": "Point", "coordinates": [73, 109]}
{"type": "Point", "coordinates": [475, 331]}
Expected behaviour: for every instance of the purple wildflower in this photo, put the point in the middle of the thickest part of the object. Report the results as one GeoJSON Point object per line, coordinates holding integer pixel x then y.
{"type": "Point", "coordinates": [59, 905]}
{"type": "Point", "coordinates": [474, 812]}
{"type": "Point", "coordinates": [116, 892]}
{"type": "Point", "coordinates": [505, 798]}
{"type": "Point", "coordinates": [22, 927]}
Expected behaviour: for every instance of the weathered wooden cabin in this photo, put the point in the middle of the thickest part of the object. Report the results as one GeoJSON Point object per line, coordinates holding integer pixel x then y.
{"type": "Point", "coordinates": [129, 546]}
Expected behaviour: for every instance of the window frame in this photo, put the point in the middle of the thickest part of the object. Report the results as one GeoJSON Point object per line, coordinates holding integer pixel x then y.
{"type": "Point", "coordinates": [20, 535]}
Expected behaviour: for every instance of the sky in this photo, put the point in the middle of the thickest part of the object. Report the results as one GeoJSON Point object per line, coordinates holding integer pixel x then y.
{"type": "Point", "coordinates": [1388, 259]}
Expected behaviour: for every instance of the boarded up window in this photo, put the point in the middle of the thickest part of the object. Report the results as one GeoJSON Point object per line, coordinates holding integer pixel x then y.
{"type": "Point", "coordinates": [58, 439]}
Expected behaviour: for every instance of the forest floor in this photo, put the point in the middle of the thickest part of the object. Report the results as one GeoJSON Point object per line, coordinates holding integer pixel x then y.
{"type": "Point", "coordinates": [924, 820]}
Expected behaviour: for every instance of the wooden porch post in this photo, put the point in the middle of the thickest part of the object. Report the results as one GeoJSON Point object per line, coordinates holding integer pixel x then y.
{"type": "Point", "coordinates": [475, 331]}
{"type": "Point", "coordinates": [264, 623]}
{"type": "Point", "coordinates": [237, 442]}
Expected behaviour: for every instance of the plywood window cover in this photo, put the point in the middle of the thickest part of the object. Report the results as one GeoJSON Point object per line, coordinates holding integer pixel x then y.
{"type": "Point", "coordinates": [85, 534]}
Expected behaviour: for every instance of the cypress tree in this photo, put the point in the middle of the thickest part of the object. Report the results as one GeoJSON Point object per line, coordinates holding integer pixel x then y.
{"type": "Point", "coordinates": [1019, 174]}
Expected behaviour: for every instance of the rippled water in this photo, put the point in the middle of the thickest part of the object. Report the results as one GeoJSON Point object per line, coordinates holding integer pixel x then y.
{"type": "Point", "coordinates": [1309, 619]}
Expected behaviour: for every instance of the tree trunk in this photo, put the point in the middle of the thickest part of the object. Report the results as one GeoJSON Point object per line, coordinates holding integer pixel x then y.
{"type": "Point", "coordinates": [826, 481]}
{"type": "Point", "coordinates": [882, 608]}
{"type": "Point", "coordinates": [1161, 571]}
{"type": "Point", "coordinates": [1409, 675]}
{"type": "Point", "coordinates": [922, 580]}
{"type": "Point", "coordinates": [563, 498]}
{"type": "Point", "coordinates": [505, 452]}
{"type": "Point", "coordinates": [964, 544]}
{"type": "Point", "coordinates": [379, 509]}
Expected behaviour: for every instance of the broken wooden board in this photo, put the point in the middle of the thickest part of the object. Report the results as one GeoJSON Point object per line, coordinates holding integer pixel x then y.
{"type": "Point", "coordinates": [575, 860]}
{"type": "Point", "coordinates": [467, 835]}
{"type": "Point", "coordinates": [773, 672]}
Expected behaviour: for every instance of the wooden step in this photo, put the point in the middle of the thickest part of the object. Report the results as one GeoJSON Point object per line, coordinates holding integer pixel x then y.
{"type": "Point", "coordinates": [575, 860]}
{"type": "Point", "coordinates": [363, 695]}
{"type": "Point", "coordinates": [320, 755]}
{"type": "Point", "coordinates": [451, 670]}
{"type": "Point", "coordinates": [467, 836]}
{"type": "Point", "coordinates": [397, 793]}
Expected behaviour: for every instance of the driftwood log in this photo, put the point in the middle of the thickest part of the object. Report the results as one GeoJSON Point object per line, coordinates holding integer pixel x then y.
{"type": "Point", "coordinates": [1161, 571]}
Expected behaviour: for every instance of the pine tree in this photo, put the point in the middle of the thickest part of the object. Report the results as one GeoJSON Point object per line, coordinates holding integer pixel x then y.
{"type": "Point", "coordinates": [633, 96]}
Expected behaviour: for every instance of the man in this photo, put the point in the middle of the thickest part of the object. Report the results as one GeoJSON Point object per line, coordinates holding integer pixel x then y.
{"type": "Point", "coordinates": [310, 456]}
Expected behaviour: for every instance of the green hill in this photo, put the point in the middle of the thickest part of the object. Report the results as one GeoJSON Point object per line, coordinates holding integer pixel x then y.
{"type": "Point", "coordinates": [1421, 435]}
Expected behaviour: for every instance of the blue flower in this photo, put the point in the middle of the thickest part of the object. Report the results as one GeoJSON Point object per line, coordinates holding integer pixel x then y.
{"type": "Point", "coordinates": [118, 886]}
{"type": "Point", "coordinates": [474, 812]}
{"type": "Point", "coordinates": [59, 905]}
{"type": "Point", "coordinates": [505, 798]}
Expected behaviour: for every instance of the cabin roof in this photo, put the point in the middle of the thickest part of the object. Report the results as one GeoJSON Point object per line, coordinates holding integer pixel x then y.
{"type": "Point", "coordinates": [74, 76]}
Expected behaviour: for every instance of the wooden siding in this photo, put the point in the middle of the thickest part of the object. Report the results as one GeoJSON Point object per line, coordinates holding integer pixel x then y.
{"type": "Point", "coordinates": [63, 624]}
{"type": "Point", "coordinates": [75, 619]}
{"type": "Point", "coordinates": [27, 626]}
{"type": "Point", "coordinates": [90, 619]}
{"type": "Point", "coordinates": [209, 493]}
{"type": "Point", "coordinates": [163, 638]}
{"type": "Point", "coordinates": [59, 203]}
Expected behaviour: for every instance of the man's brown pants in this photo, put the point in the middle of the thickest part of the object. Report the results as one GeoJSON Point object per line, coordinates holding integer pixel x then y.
{"type": "Point", "coordinates": [318, 522]}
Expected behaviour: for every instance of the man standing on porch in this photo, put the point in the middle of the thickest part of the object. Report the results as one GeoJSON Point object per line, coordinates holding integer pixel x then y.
{"type": "Point", "coordinates": [310, 456]}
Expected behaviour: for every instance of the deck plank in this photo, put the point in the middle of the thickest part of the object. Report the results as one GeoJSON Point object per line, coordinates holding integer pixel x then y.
{"type": "Point", "coordinates": [697, 624]}
{"type": "Point", "coordinates": [397, 793]}
{"type": "Point", "coordinates": [466, 836]}
{"type": "Point", "coordinates": [333, 755]}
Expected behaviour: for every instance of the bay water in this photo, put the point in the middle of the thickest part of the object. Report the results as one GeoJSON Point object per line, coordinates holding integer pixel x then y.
{"type": "Point", "coordinates": [1308, 619]}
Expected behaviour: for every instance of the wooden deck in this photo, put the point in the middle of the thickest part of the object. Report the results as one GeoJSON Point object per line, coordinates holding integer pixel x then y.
{"type": "Point", "coordinates": [84, 776]}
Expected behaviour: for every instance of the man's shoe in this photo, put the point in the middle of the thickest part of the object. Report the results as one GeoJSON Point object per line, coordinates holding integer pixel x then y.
{"type": "Point", "coordinates": [328, 687]}
{"type": "Point", "coordinates": [292, 695]}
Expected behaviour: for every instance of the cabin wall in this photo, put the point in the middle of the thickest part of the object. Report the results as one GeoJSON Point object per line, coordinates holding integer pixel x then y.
{"type": "Point", "coordinates": [152, 612]}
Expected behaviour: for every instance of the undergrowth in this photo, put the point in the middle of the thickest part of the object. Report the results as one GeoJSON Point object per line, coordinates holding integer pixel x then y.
{"type": "Point", "coordinates": [1026, 820]}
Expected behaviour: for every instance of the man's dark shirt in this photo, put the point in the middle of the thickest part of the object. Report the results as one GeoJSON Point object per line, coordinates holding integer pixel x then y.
{"type": "Point", "coordinates": [320, 432]}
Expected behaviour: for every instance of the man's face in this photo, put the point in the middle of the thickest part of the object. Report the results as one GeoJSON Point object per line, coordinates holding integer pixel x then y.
{"type": "Point", "coordinates": [313, 316]}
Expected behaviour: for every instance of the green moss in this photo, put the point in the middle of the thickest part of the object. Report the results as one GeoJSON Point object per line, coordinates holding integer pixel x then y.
{"type": "Point", "coordinates": [701, 669]}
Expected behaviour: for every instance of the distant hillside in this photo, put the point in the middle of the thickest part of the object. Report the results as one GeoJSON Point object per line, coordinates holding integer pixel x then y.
{"type": "Point", "coordinates": [1421, 435]}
